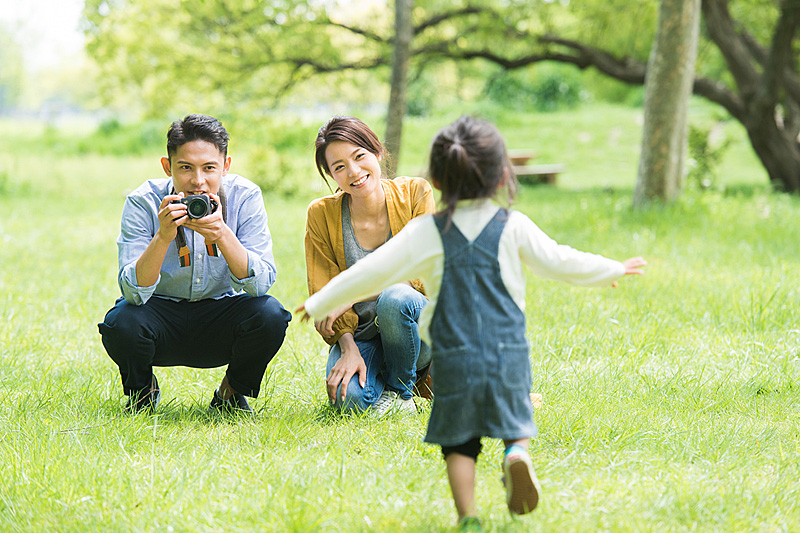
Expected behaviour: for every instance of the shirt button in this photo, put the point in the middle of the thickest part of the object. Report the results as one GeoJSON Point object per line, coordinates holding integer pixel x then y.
{"type": "Point", "coordinates": [197, 280]}
{"type": "Point", "coordinates": [199, 256]}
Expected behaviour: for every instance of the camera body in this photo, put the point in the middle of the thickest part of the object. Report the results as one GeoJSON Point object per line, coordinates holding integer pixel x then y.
{"type": "Point", "coordinates": [198, 205]}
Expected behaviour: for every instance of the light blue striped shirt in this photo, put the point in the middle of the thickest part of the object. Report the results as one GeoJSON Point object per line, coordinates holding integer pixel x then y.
{"type": "Point", "coordinates": [207, 277]}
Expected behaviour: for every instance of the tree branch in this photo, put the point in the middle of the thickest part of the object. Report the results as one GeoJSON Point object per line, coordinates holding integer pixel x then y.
{"type": "Point", "coordinates": [447, 15]}
{"type": "Point", "coordinates": [780, 55]}
{"type": "Point", "coordinates": [733, 46]}
{"type": "Point", "coordinates": [623, 69]}
{"type": "Point", "coordinates": [364, 33]}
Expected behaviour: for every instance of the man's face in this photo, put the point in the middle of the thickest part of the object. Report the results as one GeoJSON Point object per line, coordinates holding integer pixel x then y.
{"type": "Point", "coordinates": [196, 168]}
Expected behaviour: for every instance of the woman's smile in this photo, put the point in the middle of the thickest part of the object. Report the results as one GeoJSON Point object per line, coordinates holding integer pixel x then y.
{"type": "Point", "coordinates": [360, 181]}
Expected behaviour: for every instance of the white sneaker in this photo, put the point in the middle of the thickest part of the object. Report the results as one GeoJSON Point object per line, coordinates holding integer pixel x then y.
{"type": "Point", "coordinates": [522, 485]}
{"type": "Point", "coordinates": [390, 402]}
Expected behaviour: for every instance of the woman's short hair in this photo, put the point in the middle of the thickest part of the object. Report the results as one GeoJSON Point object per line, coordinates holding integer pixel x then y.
{"type": "Point", "coordinates": [350, 130]}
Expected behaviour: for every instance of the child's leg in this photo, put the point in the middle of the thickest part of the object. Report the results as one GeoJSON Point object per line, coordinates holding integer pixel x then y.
{"type": "Point", "coordinates": [461, 475]}
{"type": "Point", "coordinates": [522, 485]}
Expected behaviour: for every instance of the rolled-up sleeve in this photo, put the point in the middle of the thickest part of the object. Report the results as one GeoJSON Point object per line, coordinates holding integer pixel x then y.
{"type": "Point", "coordinates": [136, 232]}
{"type": "Point", "coordinates": [253, 233]}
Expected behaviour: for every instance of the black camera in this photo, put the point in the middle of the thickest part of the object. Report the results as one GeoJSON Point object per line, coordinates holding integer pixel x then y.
{"type": "Point", "coordinates": [198, 205]}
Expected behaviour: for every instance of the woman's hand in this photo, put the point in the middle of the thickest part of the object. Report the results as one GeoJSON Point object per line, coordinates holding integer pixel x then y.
{"type": "Point", "coordinates": [348, 365]}
{"type": "Point", "coordinates": [325, 326]}
{"type": "Point", "coordinates": [633, 266]}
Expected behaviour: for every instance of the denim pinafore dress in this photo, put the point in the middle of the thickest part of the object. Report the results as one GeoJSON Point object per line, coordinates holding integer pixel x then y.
{"type": "Point", "coordinates": [481, 370]}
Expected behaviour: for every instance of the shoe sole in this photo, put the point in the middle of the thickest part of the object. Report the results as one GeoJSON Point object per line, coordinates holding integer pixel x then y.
{"type": "Point", "coordinates": [523, 493]}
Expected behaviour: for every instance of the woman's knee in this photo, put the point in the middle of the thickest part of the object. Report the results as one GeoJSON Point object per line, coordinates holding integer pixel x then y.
{"type": "Point", "coordinates": [357, 399]}
{"type": "Point", "coordinates": [399, 299]}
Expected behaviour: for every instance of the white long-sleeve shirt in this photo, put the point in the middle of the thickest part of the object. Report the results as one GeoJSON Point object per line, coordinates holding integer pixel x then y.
{"type": "Point", "coordinates": [416, 252]}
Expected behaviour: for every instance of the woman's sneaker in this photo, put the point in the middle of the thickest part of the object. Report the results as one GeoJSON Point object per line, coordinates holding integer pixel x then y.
{"type": "Point", "coordinates": [522, 485]}
{"type": "Point", "coordinates": [389, 402]}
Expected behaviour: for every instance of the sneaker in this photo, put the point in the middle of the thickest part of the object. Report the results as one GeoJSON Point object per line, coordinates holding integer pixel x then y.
{"type": "Point", "coordinates": [237, 403]}
{"type": "Point", "coordinates": [470, 523]}
{"type": "Point", "coordinates": [522, 485]}
{"type": "Point", "coordinates": [390, 402]}
{"type": "Point", "coordinates": [146, 399]}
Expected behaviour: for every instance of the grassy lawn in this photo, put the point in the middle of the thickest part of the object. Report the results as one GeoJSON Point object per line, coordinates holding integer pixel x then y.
{"type": "Point", "coordinates": [670, 404]}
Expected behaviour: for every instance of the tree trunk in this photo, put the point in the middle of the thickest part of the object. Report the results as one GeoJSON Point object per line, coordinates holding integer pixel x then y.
{"type": "Point", "coordinates": [404, 33]}
{"type": "Point", "coordinates": [668, 86]}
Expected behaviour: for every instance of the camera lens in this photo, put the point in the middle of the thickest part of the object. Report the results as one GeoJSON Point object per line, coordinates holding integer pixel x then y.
{"type": "Point", "coordinates": [197, 208]}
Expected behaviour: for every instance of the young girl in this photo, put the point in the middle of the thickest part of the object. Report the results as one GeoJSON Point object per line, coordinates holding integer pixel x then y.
{"type": "Point", "coordinates": [469, 256]}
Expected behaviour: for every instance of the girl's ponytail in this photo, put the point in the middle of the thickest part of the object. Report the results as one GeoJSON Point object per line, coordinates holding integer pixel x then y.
{"type": "Point", "coordinates": [468, 160]}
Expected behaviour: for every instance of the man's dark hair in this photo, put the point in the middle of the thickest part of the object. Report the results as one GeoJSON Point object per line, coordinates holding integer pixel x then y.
{"type": "Point", "coordinates": [197, 128]}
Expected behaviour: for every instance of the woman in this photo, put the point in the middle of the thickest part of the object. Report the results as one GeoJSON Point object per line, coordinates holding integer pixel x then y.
{"type": "Point", "coordinates": [375, 346]}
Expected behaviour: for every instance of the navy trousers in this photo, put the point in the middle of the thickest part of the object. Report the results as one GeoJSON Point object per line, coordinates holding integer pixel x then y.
{"type": "Point", "coordinates": [241, 331]}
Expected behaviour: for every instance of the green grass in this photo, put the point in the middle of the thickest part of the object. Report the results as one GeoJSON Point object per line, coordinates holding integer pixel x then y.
{"type": "Point", "coordinates": [671, 403]}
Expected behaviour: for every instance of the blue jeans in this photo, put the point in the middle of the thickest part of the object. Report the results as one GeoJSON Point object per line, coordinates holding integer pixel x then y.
{"type": "Point", "coordinates": [391, 356]}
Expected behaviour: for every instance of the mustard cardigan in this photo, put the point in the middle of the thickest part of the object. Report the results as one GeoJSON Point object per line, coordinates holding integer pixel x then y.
{"type": "Point", "coordinates": [406, 198]}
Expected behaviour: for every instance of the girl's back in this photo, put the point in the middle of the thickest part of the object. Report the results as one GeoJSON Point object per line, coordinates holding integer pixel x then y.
{"type": "Point", "coordinates": [481, 373]}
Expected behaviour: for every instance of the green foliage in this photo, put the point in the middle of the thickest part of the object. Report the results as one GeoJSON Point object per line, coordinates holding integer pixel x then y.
{"type": "Point", "coordinates": [421, 95]}
{"type": "Point", "coordinates": [110, 137]}
{"type": "Point", "coordinates": [544, 88]}
{"type": "Point", "coordinates": [5, 182]}
{"type": "Point", "coordinates": [705, 156]}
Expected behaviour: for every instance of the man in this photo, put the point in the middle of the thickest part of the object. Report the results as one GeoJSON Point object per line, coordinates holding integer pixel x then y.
{"type": "Point", "coordinates": [194, 285]}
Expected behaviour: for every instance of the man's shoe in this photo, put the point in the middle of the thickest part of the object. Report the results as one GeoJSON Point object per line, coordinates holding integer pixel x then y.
{"type": "Point", "coordinates": [522, 485]}
{"type": "Point", "coordinates": [145, 399]}
{"type": "Point", "coordinates": [237, 403]}
{"type": "Point", "coordinates": [389, 402]}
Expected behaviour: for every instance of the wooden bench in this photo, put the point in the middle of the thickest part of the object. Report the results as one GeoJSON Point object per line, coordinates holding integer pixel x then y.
{"type": "Point", "coordinates": [538, 173]}
{"type": "Point", "coordinates": [533, 173]}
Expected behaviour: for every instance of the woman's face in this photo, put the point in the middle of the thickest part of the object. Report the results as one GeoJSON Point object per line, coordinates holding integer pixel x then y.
{"type": "Point", "coordinates": [355, 170]}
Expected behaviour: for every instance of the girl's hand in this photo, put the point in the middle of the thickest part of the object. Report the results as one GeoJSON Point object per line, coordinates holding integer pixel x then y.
{"type": "Point", "coordinates": [633, 266]}
{"type": "Point", "coordinates": [325, 326]}
{"type": "Point", "coordinates": [301, 312]}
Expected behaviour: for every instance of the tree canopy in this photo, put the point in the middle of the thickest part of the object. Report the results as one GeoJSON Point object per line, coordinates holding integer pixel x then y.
{"type": "Point", "coordinates": [247, 54]}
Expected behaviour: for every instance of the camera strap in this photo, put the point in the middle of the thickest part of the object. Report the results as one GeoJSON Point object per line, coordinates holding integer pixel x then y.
{"type": "Point", "coordinates": [184, 255]}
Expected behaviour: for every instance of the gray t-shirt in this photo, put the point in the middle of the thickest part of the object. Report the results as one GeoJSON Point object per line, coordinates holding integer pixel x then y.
{"type": "Point", "coordinates": [353, 252]}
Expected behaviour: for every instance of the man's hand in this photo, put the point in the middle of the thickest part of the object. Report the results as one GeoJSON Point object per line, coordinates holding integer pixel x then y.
{"type": "Point", "coordinates": [212, 226]}
{"type": "Point", "coordinates": [348, 365]}
{"type": "Point", "coordinates": [170, 216]}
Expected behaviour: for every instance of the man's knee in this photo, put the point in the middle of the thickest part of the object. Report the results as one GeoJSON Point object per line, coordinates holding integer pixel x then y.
{"type": "Point", "coordinates": [124, 322]}
{"type": "Point", "coordinates": [266, 312]}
